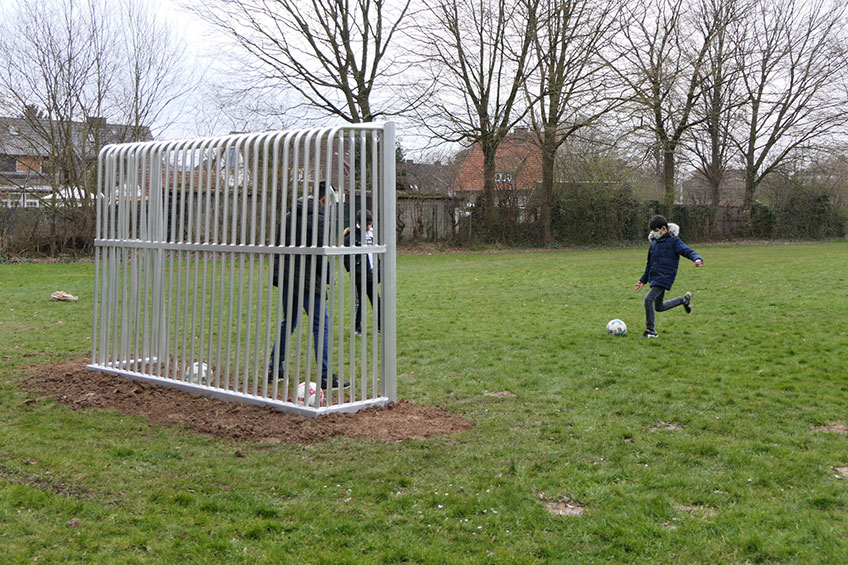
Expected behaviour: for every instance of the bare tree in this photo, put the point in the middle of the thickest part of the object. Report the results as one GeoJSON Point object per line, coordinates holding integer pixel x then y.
{"type": "Point", "coordinates": [710, 141]}
{"type": "Point", "coordinates": [151, 69]}
{"type": "Point", "coordinates": [69, 69]}
{"type": "Point", "coordinates": [336, 54]}
{"type": "Point", "coordinates": [477, 58]}
{"type": "Point", "coordinates": [663, 64]}
{"type": "Point", "coordinates": [569, 79]}
{"type": "Point", "coordinates": [794, 57]}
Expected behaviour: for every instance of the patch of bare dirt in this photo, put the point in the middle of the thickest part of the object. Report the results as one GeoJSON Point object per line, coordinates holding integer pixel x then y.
{"type": "Point", "coordinates": [666, 426]}
{"type": "Point", "coordinates": [703, 511]}
{"type": "Point", "coordinates": [562, 506]}
{"type": "Point", "coordinates": [500, 394]}
{"type": "Point", "coordinates": [834, 428]}
{"type": "Point", "coordinates": [76, 386]}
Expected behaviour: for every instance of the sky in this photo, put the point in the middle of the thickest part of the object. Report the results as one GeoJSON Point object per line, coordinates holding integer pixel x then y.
{"type": "Point", "coordinates": [198, 113]}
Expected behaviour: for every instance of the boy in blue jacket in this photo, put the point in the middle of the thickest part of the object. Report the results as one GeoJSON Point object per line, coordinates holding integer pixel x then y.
{"type": "Point", "coordinates": [663, 259]}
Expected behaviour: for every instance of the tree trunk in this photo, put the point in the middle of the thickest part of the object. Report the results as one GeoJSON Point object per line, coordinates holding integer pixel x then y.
{"type": "Point", "coordinates": [490, 216]}
{"type": "Point", "coordinates": [545, 212]}
{"type": "Point", "coordinates": [750, 186]}
{"type": "Point", "coordinates": [668, 179]}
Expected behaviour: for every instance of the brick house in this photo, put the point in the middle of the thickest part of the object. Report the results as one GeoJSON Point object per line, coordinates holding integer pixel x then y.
{"type": "Point", "coordinates": [518, 161]}
{"type": "Point", "coordinates": [25, 152]}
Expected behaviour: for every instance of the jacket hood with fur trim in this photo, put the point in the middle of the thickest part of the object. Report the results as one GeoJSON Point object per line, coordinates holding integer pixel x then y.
{"type": "Point", "coordinates": [673, 231]}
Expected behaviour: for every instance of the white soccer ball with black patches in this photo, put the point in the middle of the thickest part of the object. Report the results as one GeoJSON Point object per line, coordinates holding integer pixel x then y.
{"type": "Point", "coordinates": [616, 327]}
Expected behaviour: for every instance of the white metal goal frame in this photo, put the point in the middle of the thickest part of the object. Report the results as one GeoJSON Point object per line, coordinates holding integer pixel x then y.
{"type": "Point", "coordinates": [187, 237]}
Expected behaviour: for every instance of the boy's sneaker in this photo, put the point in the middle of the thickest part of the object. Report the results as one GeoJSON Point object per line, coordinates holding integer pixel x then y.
{"type": "Point", "coordinates": [335, 382]}
{"type": "Point", "coordinates": [650, 333]}
{"type": "Point", "coordinates": [687, 302]}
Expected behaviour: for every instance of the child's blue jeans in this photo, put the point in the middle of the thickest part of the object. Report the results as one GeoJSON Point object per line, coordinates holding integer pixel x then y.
{"type": "Point", "coordinates": [654, 301]}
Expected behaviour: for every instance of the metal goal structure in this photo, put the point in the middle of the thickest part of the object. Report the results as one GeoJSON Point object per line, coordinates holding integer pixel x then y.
{"type": "Point", "coordinates": [203, 246]}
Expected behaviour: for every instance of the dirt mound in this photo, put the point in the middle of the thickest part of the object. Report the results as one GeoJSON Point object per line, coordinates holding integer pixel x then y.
{"type": "Point", "coordinates": [74, 385]}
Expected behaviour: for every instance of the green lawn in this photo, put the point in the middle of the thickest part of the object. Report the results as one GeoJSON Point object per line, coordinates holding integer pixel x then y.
{"type": "Point", "coordinates": [699, 446]}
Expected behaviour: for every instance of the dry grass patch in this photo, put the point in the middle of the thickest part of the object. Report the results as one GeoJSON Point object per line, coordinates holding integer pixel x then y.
{"type": "Point", "coordinates": [500, 394]}
{"type": "Point", "coordinates": [666, 426]}
{"type": "Point", "coordinates": [563, 506]}
{"type": "Point", "coordinates": [701, 511]}
{"type": "Point", "coordinates": [834, 428]}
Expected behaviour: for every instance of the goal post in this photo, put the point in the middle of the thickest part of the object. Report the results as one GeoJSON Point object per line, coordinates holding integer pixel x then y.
{"type": "Point", "coordinates": [232, 266]}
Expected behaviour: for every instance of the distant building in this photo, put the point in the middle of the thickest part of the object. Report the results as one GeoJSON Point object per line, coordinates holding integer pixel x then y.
{"type": "Point", "coordinates": [26, 149]}
{"type": "Point", "coordinates": [518, 165]}
{"type": "Point", "coordinates": [697, 189]}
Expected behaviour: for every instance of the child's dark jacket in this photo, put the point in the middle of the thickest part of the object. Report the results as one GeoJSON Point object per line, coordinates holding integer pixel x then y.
{"type": "Point", "coordinates": [664, 258]}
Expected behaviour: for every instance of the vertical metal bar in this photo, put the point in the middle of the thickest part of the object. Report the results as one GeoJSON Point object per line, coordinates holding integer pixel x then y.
{"type": "Point", "coordinates": [310, 208]}
{"type": "Point", "coordinates": [105, 257]}
{"type": "Point", "coordinates": [351, 257]}
{"type": "Point", "coordinates": [153, 180]}
{"type": "Point", "coordinates": [97, 251]}
{"type": "Point", "coordinates": [250, 375]}
{"type": "Point", "coordinates": [376, 192]}
{"type": "Point", "coordinates": [175, 196]}
{"type": "Point", "coordinates": [200, 188]}
{"type": "Point", "coordinates": [186, 220]}
{"type": "Point", "coordinates": [338, 141]}
{"type": "Point", "coordinates": [139, 177]}
{"type": "Point", "coordinates": [389, 237]}
{"type": "Point", "coordinates": [276, 238]}
{"type": "Point", "coordinates": [111, 322]}
{"type": "Point", "coordinates": [363, 179]}
{"type": "Point", "coordinates": [211, 225]}
{"type": "Point", "coordinates": [258, 225]}
{"type": "Point", "coordinates": [327, 272]}
{"type": "Point", "coordinates": [223, 184]}
{"type": "Point", "coordinates": [298, 220]}
{"type": "Point", "coordinates": [162, 285]}
{"type": "Point", "coordinates": [236, 238]}
{"type": "Point", "coordinates": [120, 234]}
{"type": "Point", "coordinates": [288, 222]}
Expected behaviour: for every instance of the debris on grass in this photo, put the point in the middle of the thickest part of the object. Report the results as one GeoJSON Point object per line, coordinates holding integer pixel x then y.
{"type": "Point", "coordinates": [702, 511]}
{"type": "Point", "coordinates": [667, 426]}
{"type": "Point", "coordinates": [833, 428]}
{"type": "Point", "coordinates": [563, 506]}
{"type": "Point", "coordinates": [500, 394]}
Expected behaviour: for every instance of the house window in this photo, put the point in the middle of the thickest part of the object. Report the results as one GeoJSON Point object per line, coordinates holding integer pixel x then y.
{"type": "Point", "coordinates": [503, 178]}
{"type": "Point", "coordinates": [13, 130]}
{"type": "Point", "coordinates": [7, 163]}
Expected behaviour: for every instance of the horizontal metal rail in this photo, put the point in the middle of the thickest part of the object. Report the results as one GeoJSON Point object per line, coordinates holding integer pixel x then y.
{"type": "Point", "coordinates": [234, 248]}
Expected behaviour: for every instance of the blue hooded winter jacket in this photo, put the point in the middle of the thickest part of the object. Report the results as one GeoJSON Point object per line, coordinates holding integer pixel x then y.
{"type": "Point", "coordinates": [664, 257]}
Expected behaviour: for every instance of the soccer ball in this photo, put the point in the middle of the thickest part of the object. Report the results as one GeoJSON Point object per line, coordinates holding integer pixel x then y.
{"type": "Point", "coordinates": [303, 399]}
{"type": "Point", "coordinates": [616, 327]}
{"type": "Point", "coordinates": [198, 373]}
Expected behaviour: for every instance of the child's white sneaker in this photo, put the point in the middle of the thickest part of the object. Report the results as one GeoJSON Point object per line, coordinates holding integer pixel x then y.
{"type": "Point", "coordinates": [687, 302]}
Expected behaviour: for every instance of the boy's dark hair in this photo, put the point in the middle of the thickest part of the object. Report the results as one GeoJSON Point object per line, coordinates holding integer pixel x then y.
{"type": "Point", "coordinates": [658, 222]}
{"type": "Point", "coordinates": [322, 189]}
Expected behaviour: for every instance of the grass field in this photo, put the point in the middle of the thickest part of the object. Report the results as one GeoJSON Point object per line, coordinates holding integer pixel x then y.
{"type": "Point", "coordinates": [705, 445]}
